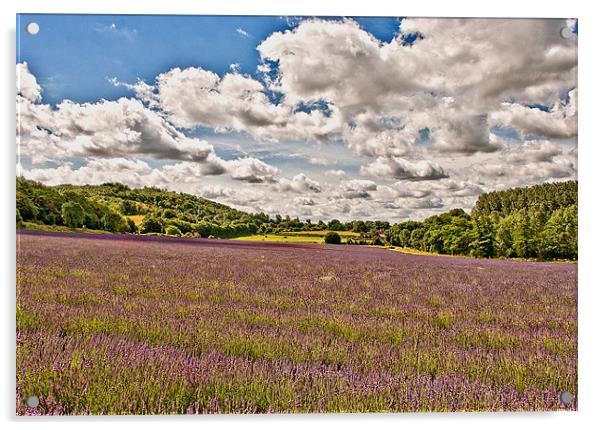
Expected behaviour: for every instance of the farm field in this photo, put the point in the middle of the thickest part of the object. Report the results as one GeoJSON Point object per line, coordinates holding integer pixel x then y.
{"type": "Point", "coordinates": [120, 324]}
{"type": "Point", "coordinates": [296, 236]}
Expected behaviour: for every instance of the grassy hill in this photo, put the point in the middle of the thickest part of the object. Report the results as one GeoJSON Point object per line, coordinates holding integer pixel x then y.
{"type": "Point", "coordinates": [114, 207]}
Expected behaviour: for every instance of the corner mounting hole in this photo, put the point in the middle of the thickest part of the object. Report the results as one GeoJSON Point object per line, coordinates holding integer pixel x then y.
{"type": "Point", "coordinates": [33, 401]}
{"type": "Point", "coordinates": [566, 398]}
{"type": "Point", "coordinates": [566, 33]}
{"type": "Point", "coordinates": [32, 28]}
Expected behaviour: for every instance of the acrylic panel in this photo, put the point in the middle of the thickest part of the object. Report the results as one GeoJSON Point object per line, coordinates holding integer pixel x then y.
{"type": "Point", "coordinates": [265, 214]}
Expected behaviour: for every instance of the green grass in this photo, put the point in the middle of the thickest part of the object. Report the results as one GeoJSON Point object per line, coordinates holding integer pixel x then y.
{"type": "Point", "coordinates": [296, 236]}
{"type": "Point", "coordinates": [136, 218]}
{"type": "Point", "coordinates": [61, 228]}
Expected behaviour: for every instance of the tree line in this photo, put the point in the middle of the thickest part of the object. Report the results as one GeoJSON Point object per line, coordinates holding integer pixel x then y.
{"type": "Point", "coordinates": [112, 206]}
{"type": "Point", "coordinates": [531, 222]}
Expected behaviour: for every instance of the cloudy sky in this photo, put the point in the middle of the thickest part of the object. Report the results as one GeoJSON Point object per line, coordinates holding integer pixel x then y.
{"type": "Point", "coordinates": [348, 118]}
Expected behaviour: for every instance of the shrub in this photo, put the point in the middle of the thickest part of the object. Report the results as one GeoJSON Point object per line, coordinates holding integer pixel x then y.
{"type": "Point", "coordinates": [172, 230]}
{"type": "Point", "coordinates": [151, 224]}
{"type": "Point", "coordinates": [73, 214]}
{"type": "Point", "coordinates": [132, 225]}
{"type": "Point", "coordinates": [26, 208]}
{"type": "Point", "coordinates": [332, 237]}
{"type": "Point", "coordinates": [92, 221]}
{"type": "Point", "coordinates": [114, 222]}
{"type": "Point", "coordinates": [19, 219]}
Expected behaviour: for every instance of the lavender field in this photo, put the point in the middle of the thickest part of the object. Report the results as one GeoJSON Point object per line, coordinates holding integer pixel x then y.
{"type": "Point", "coordinates": [113, 324]}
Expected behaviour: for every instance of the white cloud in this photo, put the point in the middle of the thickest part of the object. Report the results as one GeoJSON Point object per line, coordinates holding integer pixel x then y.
{"type": "Point", "coordinates": [251, 170]}
{"type": "Point", "coordinates": [400, 112]}
{"type": "Point", "coordinates": [335, 173]}
{"type": "Point", "coordinates": [119, 129]}
{"type": "Point", "coordinates": [559, 122]}
{"type": "Point", "coordinates": [97, 171]}
{"type": "Point", "coordinates": [304, 201]}
{"type": "Point", "coordinates": [460, 62]}
{"type": "Point", "coordinates": [399, 168]}
{"type": "Point", "coordinates": [300, 184]}
{"type": "Point", "coordinates": [27, 84]}
{"type": "Point", "coordinates": [242, 32]}
{"type": "Point", "coordinates": [448, 82]}
{"type": "Point", "coordinates": [103, 129]}
{"type": "Point", "coordinates": [196, 97]}
{"type": "Point", "coordinates": [319, 161]}
{"type": "Point", "coordinates": [357, 188]}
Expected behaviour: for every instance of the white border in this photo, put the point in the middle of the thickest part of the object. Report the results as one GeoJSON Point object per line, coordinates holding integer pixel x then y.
{"type": "Point", "coordinates": [590, 209]}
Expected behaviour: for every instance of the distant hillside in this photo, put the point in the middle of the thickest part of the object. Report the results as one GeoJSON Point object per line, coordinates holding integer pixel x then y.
{"type": "Point", "coordinates": [115, 207]}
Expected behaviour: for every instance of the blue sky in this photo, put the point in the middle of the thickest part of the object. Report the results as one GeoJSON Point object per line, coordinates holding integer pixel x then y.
{"type": "Point", "coordinates": [73, 55]}
{"type": "Point", "coordinates": [348, 117]}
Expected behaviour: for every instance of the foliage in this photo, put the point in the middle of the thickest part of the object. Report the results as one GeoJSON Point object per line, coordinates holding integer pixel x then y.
{"type": "Point", "coordinates": [534, 222]}
{"type": "Point", "coordinates": [332, 238]}
{"type": "Point", "coordinates": [73, 214]}
{"type": "Point", "coordinates": [172, 230]}
{"type": "Point", "coordinates": [114, 222]}
{"type": "Point", "coordinates": [38, 203]}
{"type": "Point", "coordinates": [19, 219]}
{"type": "Point", "coordinates": [151, 224]}
{"type": "Point", "coordinates": [548, 197]}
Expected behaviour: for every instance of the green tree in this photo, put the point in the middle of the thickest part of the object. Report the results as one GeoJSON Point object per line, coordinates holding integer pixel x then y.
{"type": "Point", "coordinates": [128, 207]}
{"type": "Point", "coordinates": [114, 222]}
{"type": "Point", "coordinates": [332, 237]}
{"type": "Point", "coordinates": [19, 219]}
{"type": "Point", "coordinates": [503, 239]}
{"type": "Point", "coordinates": [335, 224]}
{"type": "Point", "coordinates": [172, 230]}
{"type": "Point", "coordinates": [483, 237]}
{"type": "Point", "coordinates": [522, 235]}
{"type": "Point", "coordinates": [73, 214]}
{"type": "Point", "coordinates": [404, 237]}
{"type": "Point", "coordinates": [151, 224]}
{"type": "Point", "coordinates": [132, 226]}
{"type": "Point", "coordinates": [28, 210]}
{"type": "Point", "coordinates": [559, 237]}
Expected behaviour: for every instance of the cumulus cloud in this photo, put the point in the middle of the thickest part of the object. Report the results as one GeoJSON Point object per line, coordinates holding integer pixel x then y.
{"type": "Point", "coordinates": [299, 184]}
{"type": "Point", "coordinates": [560, 121]}
{"type": "Point", "coordinates": [459, 61]}
{"type": "Point", "coordinates": [380, 96]}
{"type": "Point", "coordinates": [399, 168]}
{"type": "Point", "coordinates": [400, 111]}
{"type": "Point", "coordinates": [357, 188]}
{"type": "Point", "coordinates": [103, 129]}
{"type": "Point", "coordinates": [304, 201]}
{"type": "Point", "coordinates": [27, 84]}
{"type": "Point", "coordinates": [251, 170]}
{"type": "Point", "coordinates": [97, 171]}
{"type": "Point", "coordinates": [119, 129]}
{"type": "Point", "coordinates": [335, 173]}
{"type": "Point", "coordinates": [464, 134]}
{"type": "Point", "coordinates": [194, 97]}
